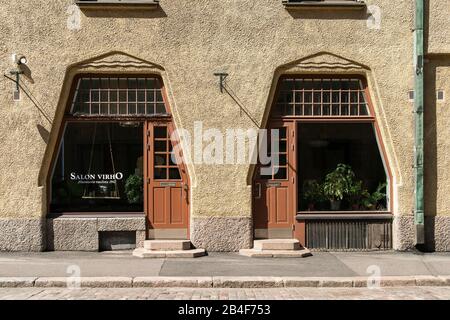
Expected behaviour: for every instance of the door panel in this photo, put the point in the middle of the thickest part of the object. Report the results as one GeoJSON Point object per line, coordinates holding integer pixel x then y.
{"type": "Point", "coordinates": [273, 193]}
{"type": "Point", "coordinates": [167, 182]}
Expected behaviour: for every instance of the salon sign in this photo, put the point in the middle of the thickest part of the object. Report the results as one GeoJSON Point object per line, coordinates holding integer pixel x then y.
{"type": "Point", "coordinates": [96, 177]}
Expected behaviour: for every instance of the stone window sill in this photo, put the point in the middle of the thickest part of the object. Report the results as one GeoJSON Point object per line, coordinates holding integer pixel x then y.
{"type": "Point", "coordinates": [325, 4]}
{"type": "Point", "coordinates": [118, 4]}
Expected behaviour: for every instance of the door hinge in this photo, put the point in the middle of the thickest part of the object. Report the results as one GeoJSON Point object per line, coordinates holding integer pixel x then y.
{"type": "Point", "coordinates": [148, 133]}
{"type": "Point", "coordinates": [148, 180]}
{"type": "Point", "coordinates": [293, 227]}
{"type": "Point", "coordinates": [148, 147]}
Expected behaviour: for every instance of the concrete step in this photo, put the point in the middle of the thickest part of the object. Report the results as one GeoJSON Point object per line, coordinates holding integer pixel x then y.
{"type": "Point", "coordinates": [255, 253]}
{"type": "Point", "coordinates": [191, 253]}
{"type": "Point", "coordinates": [167, 245]}
{"type": "Point", "coordinates": [277, 244]}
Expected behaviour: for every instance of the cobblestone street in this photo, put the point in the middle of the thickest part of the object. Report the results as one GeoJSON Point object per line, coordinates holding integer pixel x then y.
{"type": "Point", "coordinates": [406, 293]}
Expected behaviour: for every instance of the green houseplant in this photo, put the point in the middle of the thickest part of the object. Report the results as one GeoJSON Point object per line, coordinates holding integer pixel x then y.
{"type": "Point", "coordinates": [134, 188]}
{"type": "Point", "coordinates": [371, 201]}
{"type": "Point", "coordinates": [337, 185]}
{"type": "Point", "coordinates": [312, 193]}
{"type": "Point", "coordinates": [356, 194]}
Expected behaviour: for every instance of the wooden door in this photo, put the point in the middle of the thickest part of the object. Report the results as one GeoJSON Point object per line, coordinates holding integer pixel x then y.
{"type": "Point", "coordinates": [274, 186]}
{"type": "Point", "coordinates": [167, 191]}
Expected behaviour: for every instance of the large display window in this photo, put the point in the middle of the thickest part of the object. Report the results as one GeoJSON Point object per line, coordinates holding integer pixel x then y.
{"type": "Point", "coordinates": [99, 168]}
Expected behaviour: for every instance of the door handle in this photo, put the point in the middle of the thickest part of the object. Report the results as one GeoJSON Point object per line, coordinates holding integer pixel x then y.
{"type": "Point", "coordinates": [258, 189]}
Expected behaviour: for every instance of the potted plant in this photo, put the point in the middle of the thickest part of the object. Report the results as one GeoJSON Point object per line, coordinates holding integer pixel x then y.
{"type": "Point", "coordinates": [371, 200]}
{"type": "Point", "coordinates": [356, 193]}
{"type": "Point", "coordinates": [134, 188]}
{"type": "Point", "coordinates": [312, 194]}
{"type": "Point", "coordinates": [337, 185]}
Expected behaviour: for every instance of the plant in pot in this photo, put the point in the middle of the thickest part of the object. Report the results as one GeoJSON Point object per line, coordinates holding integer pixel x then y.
{"type": "Point", "coordinates": [312, 194]}
{"type": "Point", "coordinates": [337, 185]}
{"type": "Point", "coordinates": [371, 201]}
{"type": "Point", "coordinates": [134, 188]}
{"type": "Point", "coordinates": [356, 194]}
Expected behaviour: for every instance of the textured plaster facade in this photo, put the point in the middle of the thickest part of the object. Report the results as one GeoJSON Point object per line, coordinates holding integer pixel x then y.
{"type": "Point", "coordinates": [186, 42]}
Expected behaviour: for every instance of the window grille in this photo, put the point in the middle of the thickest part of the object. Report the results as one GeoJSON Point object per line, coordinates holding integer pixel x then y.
{"type": "Point", "coordinates": [125, 96]}
{"type": "Point", "coordinates": [305, 97]}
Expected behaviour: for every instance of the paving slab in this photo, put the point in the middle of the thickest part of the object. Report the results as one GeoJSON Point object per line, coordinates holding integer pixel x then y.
{"type": "Point", "coordinates": [232, 264]}
{"type": "Point", "coordinates": [90, 264]}
{"type": "Point", "coordinates": [387, 263]}
{"type": "Point", "coordinates": [320, 264]}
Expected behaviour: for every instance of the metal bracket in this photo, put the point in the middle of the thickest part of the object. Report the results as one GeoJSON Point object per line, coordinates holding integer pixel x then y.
{"type": "Point", "coordinates": [16, 73]}
{"type": "Point", "coordinates": [222, 76]}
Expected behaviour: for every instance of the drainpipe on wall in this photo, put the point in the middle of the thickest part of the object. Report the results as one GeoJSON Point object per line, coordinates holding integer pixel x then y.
{"type": "Point", "coordinates": [419, 211]}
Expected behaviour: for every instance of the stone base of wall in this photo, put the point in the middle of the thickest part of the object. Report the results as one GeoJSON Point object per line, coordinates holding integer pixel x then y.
{"type": "Point", "coordinates": [22, 234]}
{"type": "Point", "coordinates": [82, 234]}
{"type": "Point", "coordinates": [222, 234]}
{"type": "Point", "coordinates": [437, 233]}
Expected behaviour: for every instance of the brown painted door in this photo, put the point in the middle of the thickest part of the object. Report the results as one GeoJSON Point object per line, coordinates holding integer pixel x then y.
{"type": "Point", "coordinates": [273, 187]}
{"type": "Point", "coordinates": [167, 189]}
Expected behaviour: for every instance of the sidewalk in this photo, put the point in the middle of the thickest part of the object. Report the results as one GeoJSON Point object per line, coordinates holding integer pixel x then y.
{"type": "Point", "coordinates": [50, 269]}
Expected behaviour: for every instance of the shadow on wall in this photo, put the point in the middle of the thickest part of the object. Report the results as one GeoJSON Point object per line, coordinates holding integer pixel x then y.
{"type": "Point", "coordinates": [431, 147]}
{"type": "Point", "coordinates": [44, 133]}
{"type": "Point", "coordinates": [430, 136]}
{"type": "Point", "coordinates": [126, 13]}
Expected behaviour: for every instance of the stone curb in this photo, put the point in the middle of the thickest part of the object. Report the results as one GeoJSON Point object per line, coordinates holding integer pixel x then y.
{"type": "Point", "coordinates": [221, 282]}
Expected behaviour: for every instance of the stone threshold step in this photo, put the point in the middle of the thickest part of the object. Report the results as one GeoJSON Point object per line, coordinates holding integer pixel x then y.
{"type": "Point", "coordinates": [277, 244]}
{"type": "Point", "coordinates": [167, 245]}
{"type": "Point", "coordinates": [255, 253]}
{"type": "Point", "coordinates": [191, 253]}
{"type": "Point", "coordinates": [223, 282]}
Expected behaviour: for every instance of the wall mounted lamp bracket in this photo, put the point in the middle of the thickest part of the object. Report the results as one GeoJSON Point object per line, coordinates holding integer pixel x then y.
{"type": "Point", "coordinates": [222, 76]}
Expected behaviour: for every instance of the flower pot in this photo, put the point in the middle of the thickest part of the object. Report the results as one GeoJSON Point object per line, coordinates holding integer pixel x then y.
{"type": "Point", "coordinates": [335, 205]}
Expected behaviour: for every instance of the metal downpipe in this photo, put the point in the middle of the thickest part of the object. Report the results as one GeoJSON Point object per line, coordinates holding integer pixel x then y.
{"type": "Point", "coordinates": [419, 210]}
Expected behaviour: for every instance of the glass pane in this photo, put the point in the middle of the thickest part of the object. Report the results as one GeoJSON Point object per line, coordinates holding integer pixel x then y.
{"type": "Point", "coordinates": [281, 174]}
{"type": "Point", "coordinates": [283, 146]}
{"type": "Point", "coordinates": [174, 173]}
{"type": "Point", "coordinates": [160, 146]}
{"type": "Point", "coordinates": [160, 108]}
{"type": "Point", "coordinates": [160, 173]}
{"type": "Point", "coordinates": [282, 160]}
{"type": "Point", "coordinates": [160, 132]}
{"type": "Point", "coordinates": [172, 159]}
{"type": "Point", "coordinates": [160, 159]}
{"type": "Point", "coordinates": [99, 168]}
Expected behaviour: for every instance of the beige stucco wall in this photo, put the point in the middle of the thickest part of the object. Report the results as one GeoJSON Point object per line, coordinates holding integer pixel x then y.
{"type": "Point", "coordinates": [249, 39]}
{"type": "Point", "coordinates": [439, 20]}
